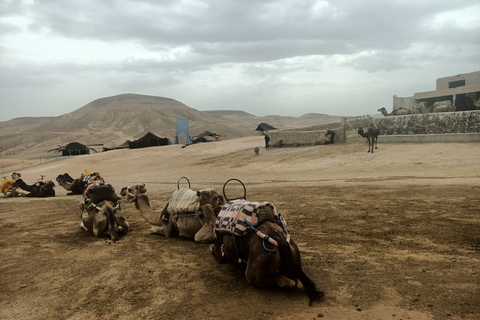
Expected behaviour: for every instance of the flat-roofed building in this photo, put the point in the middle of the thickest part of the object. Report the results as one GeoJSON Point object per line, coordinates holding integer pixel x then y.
{"type": "Point", "coordinates": [462, 90]}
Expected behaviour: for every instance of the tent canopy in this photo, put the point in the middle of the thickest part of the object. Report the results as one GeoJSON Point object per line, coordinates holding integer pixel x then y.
{"type": "Point", "coordinates": [148, 140]}
{"type": "Point", "coordinates": [264, 127]}
{"type": "Point", "coordinates": [114, 146]}
{"type": "Point", "coordinates": [73, 149]}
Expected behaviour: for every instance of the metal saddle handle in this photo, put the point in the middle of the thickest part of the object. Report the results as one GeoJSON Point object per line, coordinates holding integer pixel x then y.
{"type": "Point", "coordinates": [178, 182]}
{"type": "Point", "coordinates": [244, 190]}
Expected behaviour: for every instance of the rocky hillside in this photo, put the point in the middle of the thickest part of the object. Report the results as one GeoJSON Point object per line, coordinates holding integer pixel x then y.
{"type": "Point", "coordinates": [127, 117]}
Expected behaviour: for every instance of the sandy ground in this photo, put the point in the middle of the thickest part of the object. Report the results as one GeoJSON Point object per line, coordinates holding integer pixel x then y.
{"type": "Point", "coordinates": [389, 235]}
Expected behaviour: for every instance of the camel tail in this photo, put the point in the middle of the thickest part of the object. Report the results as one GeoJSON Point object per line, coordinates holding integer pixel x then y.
{"type": "Point", "coordinates": [294, 271]}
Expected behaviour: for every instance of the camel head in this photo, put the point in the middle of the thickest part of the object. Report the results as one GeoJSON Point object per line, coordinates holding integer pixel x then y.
{"type": "Point", "coordinates": [16, 176]}
{"type": "Point", "coordinates": [420, 106]}
{"type": "Point", "coordinates": [210, 196]}
{"type": "Point", "coordinates": [131, 193]}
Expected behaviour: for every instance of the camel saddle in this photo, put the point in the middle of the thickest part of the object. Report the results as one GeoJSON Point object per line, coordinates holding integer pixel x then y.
{"type": "Point", "coordinates": [98, 192]}
{"type": "Point", "coordinates": [232, 217]}
{"type": "Point", "coordinates": [184, 201]}
{"type": "Point", "coordinates": [6, 185]}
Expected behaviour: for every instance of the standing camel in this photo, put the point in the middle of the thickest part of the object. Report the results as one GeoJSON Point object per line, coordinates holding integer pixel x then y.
{"type": "Point", "coordinates": [371, 135]}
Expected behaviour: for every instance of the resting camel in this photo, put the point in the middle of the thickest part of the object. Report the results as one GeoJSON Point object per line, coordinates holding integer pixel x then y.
{"type": "Point", "coordinates": [397, 112]}
{"type": "Point", "coordinates": [439, 106]}
{"type": "Point", "coordinates": [7, 188]}
{"type": "Point", "coordinates": [40, 189]}
{"type": "Point", "coordinates": [75, 186]}
{"type": "Point", "coordinates": [371, 135]}
{"type": "Point", "coordinates": [473, 97]}
{"type": "Point", "coordinates": [266, 252]}
{"type": "Point", "coordinates": [101, 210]}
{"type": "Point", "coordinates": [197, 222]}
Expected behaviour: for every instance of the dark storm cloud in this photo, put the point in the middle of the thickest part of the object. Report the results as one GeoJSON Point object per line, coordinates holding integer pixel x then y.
{"type": "Point", "coordinates": [249, 31]}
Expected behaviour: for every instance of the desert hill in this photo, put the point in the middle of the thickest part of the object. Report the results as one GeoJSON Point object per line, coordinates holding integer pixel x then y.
{"type": "Point", "coordinates": [124, 117]}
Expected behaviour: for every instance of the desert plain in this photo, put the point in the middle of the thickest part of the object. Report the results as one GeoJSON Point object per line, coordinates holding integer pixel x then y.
{"type": "Point", "coordinates": [389, 235]}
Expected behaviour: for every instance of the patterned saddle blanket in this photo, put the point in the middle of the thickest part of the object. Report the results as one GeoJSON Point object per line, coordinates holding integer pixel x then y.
{"type": "Point", "coordinates": [183, 201]}
{"type": "Point", "coordinates": [97, 192]}
{"type": "Point", "coordinates": [233, 214]}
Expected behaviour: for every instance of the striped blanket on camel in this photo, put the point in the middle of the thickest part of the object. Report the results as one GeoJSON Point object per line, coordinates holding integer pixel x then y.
{"type": "Point", "coordinates": [183, 201]}
{"type": "Point", "coordinates": [231, 218]}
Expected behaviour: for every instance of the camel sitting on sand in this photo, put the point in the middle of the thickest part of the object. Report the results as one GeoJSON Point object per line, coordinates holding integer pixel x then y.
{"type": "Point", "coordinates": [397, 112]}
{"type": "Point", "coordinates": [188, 213]}
{"type": "Point", "coordinates": [253, 235]}
{"type": "Point", "coordinates": [74, 186]}
{"type": "Point", "coordinates": [7, 187]}
{"type": "Point", "coordinates": [439, 106]}
{"type": "Point", "coordinates": [40, 189]}
{"type": "Point", "coordinates": [101, 211]}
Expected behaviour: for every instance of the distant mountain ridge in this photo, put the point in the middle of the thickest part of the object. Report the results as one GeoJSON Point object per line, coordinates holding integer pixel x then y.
{"type": "Point", "coordinates": [127, 117]}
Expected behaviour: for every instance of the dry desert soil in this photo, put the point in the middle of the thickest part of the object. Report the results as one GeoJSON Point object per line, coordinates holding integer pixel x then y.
{"type": "Point", "coordinates": [389, 235]}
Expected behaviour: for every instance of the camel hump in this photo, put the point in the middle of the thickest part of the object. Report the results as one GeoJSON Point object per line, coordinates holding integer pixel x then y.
{"type": "Point", "coordinates": [183, 200]}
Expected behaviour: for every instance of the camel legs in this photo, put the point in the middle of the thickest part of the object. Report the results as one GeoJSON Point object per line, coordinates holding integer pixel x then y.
{"type": "Point", "coordinates": [166, 230]}
{"type": "Point", "coordinates": [14, 192]}
{"type": "Point", "coordinates": [206, 234]}
{"type": "Point", "coordinates": [370, 144]}
{"type": "Point", "coordinates": [259, 275]}
{"type": "Point", "coordinates": [122, 224]}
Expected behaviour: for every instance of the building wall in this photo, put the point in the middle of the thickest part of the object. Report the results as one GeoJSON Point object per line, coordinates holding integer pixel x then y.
{"type": "Point", "coordinates": [471, 79]}
{"type": "Point", "coordinates": [403, 102]}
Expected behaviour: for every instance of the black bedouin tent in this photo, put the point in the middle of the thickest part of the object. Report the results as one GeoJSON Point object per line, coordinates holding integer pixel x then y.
{"type": "Point", "coordinates": [148, 140]}
{"type": "Point", "coordinates": [73, 149]}
{"type": "Point", "coordinates": [264, 127]}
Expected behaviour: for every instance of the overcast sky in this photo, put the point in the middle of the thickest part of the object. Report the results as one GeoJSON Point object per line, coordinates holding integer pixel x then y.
{"type": "Point", "coordinates": [339, 57]}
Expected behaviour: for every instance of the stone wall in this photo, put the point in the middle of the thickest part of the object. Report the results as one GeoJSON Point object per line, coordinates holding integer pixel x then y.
{"type": "Point", "coordinates": [430, 123]}
{"type": "Point", "coordinates": [414, 124]}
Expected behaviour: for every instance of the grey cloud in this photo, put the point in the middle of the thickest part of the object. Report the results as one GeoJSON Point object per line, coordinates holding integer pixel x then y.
{"type": "Point", "coordinates": [252, 31]}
